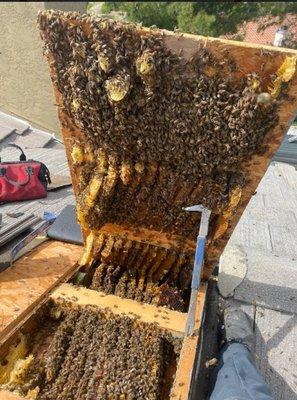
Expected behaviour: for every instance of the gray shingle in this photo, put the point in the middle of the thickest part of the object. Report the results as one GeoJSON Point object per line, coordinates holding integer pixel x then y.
{"type": "Point", "coordinates": [14, 123]}
{"type": "Point", "coordinates": [32, 139]}
{"type": "Point", "coordinates": [54, 159]}
{"type": "Point", "coordinates": [284, 239]}
{"type": "Point", "coordinates": [271, 225]}
{"type": "Point", "coordinates": [4, 133]}
{"type": "Point", "coordinates": [54, 144]}
{"type": "Point", "coordinates": [54, 202]}
{"type": "Point", "coordinates": [29, 139]}
{"type": "Point", "coordinates": [252, 233]}
{"type": "Point", "coordinates": [266, 279]}
{"type": "Point", "coordinates": [276, 349]}
{"type": "Point", "coordinates": [41, 146]}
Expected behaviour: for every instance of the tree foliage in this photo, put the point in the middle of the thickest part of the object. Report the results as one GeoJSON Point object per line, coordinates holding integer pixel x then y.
{"type": "Point", "coordinates": [204, 18]}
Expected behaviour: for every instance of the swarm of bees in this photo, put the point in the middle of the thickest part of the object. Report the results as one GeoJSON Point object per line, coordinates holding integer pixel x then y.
{"type": "Point", "coordinates": [142, 272]}
{"type": "Point", "coordinates": [96, 355]}
{"type": "Point", "coordinates": [117, 280]}
{"type": "Point", "coordinates": [172, 131]}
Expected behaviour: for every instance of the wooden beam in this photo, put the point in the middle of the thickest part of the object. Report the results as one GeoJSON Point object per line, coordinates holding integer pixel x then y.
{"type": "Point", "coordinates": [24, 286]}
{"type": "Point", "coordinates": [139, 234]}
{"type": "Point", "coordinates": [172, 321]}
{"type": "Point", "coordinates": [182, 382]}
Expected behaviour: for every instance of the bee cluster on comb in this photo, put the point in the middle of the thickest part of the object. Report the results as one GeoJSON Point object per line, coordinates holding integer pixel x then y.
{"type": "Point", "coordinates": [142, 272]}
{"type": "Point", "coordinates": [162, 131]}
{"type": "Point", "coordinates": [97, 355]}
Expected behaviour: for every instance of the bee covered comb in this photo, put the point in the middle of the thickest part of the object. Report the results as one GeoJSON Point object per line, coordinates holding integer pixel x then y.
{"type": "Point", "coordinates": [154, 121]}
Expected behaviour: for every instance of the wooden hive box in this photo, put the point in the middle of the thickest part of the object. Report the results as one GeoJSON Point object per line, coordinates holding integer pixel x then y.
{"type": "Point", "coordinates": [152, 122]}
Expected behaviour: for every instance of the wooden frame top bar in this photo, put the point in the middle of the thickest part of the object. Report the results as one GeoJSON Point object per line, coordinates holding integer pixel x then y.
{"type": "Point", "coordinates": [171, 321]}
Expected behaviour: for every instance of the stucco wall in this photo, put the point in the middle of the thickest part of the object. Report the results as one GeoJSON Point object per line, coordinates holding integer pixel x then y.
{"type": "Point", "coordinates": [25, 86]}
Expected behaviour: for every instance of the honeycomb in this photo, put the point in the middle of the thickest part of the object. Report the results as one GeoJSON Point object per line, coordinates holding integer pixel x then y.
{"type": "Point", "coordinates": [142, 272]}
{"type": "Point", "coordinates": [97, 355]}
{"type": "Point", "coordinates": [157, 131]}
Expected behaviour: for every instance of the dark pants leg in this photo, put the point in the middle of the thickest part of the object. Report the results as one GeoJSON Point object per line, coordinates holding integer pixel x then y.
{"type": "Point", "coordinates": [238, 377]}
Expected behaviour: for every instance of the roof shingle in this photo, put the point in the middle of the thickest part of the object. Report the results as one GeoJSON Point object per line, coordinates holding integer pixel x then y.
{"type": "Point", "coordinates": [41, 146]}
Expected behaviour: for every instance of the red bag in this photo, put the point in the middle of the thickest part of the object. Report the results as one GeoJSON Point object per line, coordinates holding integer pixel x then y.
{"type": "Point", "coordinates": [23, 180]}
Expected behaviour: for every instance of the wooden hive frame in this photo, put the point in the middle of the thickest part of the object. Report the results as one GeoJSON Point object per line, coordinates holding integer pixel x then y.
{"type": "Point", "coordinates": [265, 61]}
{"type": "Point", "coordinates": [170, 321]}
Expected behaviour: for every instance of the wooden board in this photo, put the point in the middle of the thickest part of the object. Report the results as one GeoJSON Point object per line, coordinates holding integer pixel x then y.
{"type": "Point", "coordinates": [159, 239]}
{"type": "Point", "coordinates": [6, 395]}
{"type": "Point", "coordinates": [30, 278]}
{"type": "Point", "coordinates": [183, 378]}
{"type": "Point", "coordinates": [263, 61]}
{"type": "Point", "coordinates": [172, 321]}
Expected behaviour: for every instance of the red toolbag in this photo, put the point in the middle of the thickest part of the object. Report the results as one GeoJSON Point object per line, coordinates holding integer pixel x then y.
{"type": "Point", "coordinates": [23, 180]}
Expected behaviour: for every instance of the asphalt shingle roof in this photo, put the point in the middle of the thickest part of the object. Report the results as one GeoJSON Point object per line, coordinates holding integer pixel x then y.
{"type": "Point", "coordinates": [40, 146]}
{"type": "Point", "coordinates": [263, 30]}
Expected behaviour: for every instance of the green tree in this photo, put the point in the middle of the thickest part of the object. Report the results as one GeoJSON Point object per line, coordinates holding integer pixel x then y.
{"type": "Point", "coordinates": [148, 13]}
{"type": "Point", "coordinates": [189, 19]}
{"type": "Point", "coordinates": [204, 18]}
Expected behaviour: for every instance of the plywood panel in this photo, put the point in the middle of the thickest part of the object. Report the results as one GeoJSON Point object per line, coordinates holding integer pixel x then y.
{"type": "Point", "coordinates": [172, 321]}
{"type": "Point", "coordinates": [31, 277]}
{"type": "Point", "coordinates": [6, 395]}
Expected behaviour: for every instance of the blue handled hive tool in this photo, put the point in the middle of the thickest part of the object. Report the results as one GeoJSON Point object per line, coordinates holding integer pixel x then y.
{"type": "Point", "coordinates": [198, 264]}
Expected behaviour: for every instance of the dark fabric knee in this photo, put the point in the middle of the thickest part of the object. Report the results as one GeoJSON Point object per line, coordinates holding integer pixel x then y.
{"type": "Point", "coordinates": [237, 377]}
